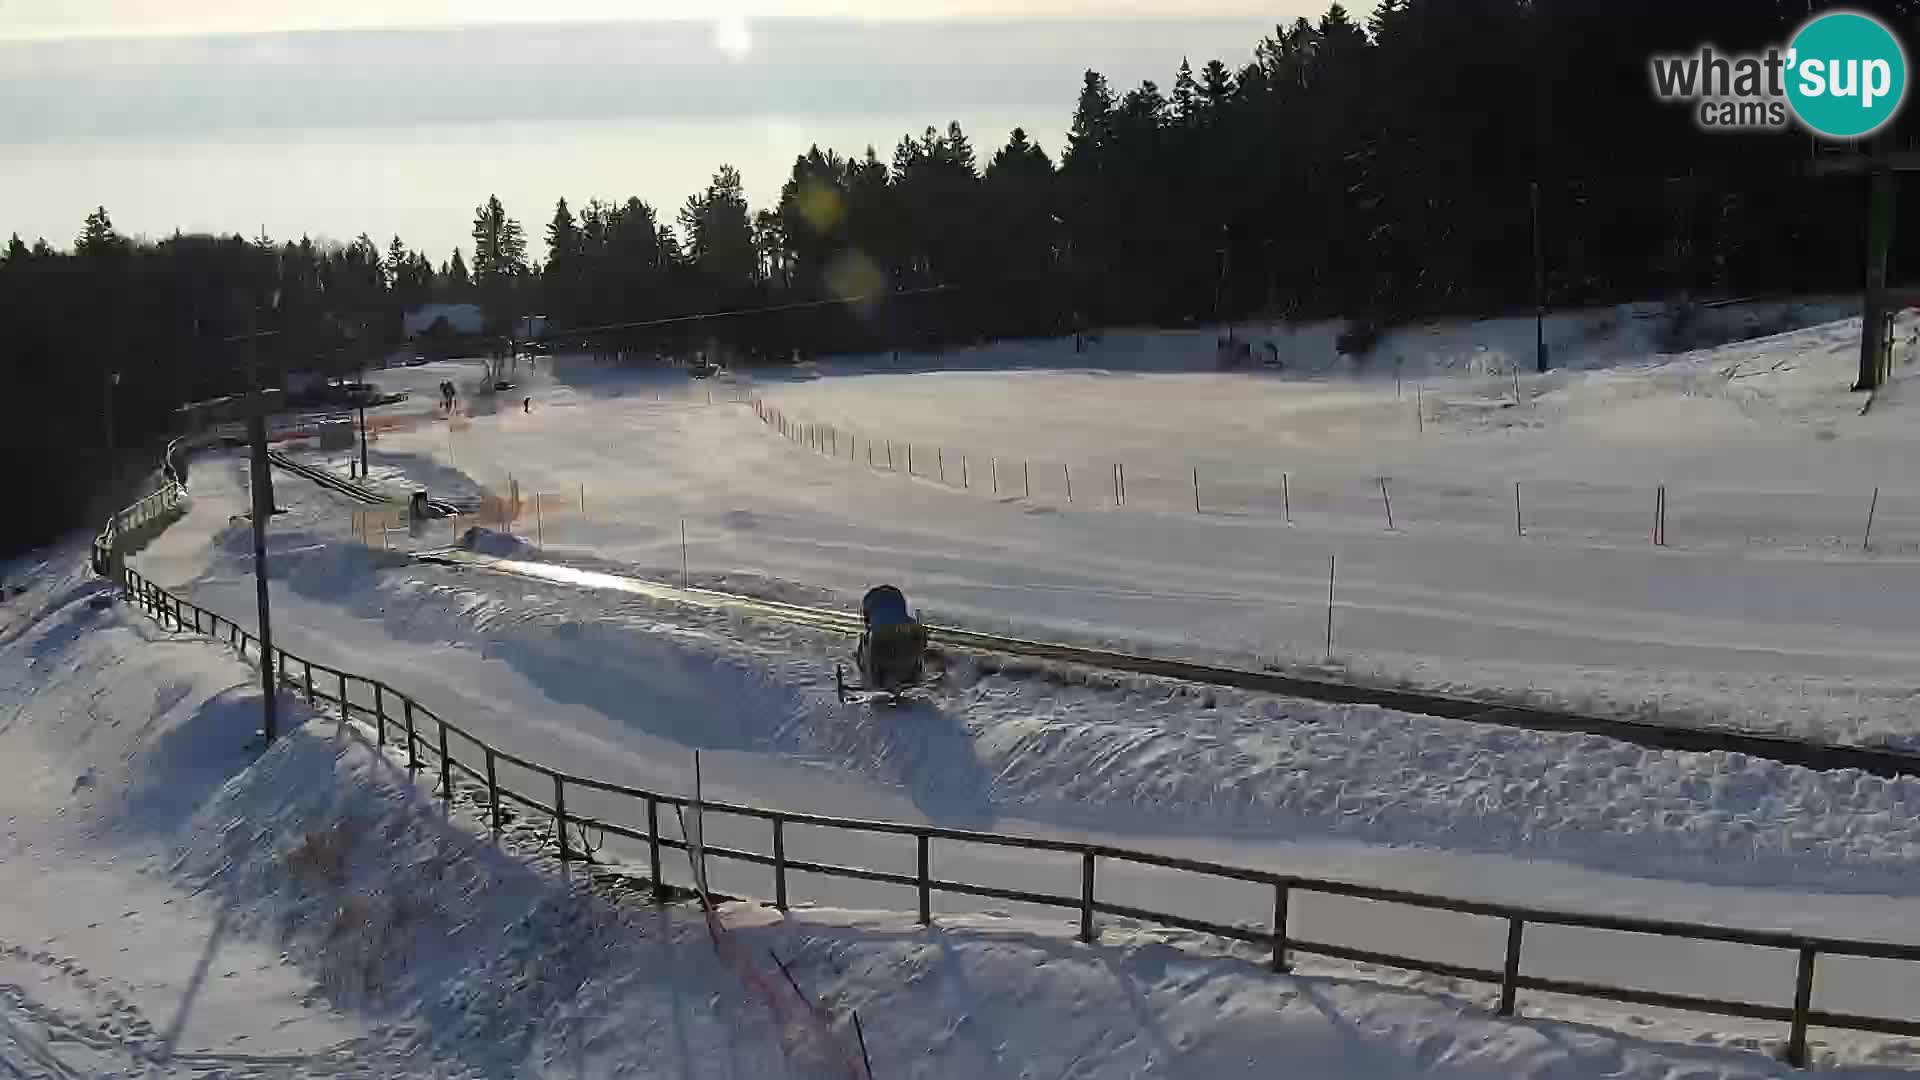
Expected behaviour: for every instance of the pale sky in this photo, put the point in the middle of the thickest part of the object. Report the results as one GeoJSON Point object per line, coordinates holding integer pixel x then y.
{"type": "Point", "coordinates": [399, 116]}
{"type": "Point", "coordinates": [36, 19]}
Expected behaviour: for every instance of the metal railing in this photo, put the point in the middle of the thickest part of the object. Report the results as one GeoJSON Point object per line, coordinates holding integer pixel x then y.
{"type": "Point", "coordinates": [431, 742]}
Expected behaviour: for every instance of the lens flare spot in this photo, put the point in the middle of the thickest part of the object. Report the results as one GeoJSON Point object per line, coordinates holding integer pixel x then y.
{"type": "Point", "coordinates": [732, 37]}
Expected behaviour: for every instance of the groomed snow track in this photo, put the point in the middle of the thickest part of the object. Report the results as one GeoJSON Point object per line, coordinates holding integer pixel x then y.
{"type": "Point", "coordinates": [1784, 749]}
{"type": "Point", "coordinates": [1806, 753]}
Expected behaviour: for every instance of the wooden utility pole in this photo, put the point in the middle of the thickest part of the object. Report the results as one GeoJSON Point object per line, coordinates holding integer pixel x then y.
{"type": "Point", "coordinates": [1539, 291]}
{"type": "Point", "coordinates": [262, 513]}
{"type": "Point", "coordinates": [1879, 301]}
{"type": "Point", "coordinates": [262, 475]}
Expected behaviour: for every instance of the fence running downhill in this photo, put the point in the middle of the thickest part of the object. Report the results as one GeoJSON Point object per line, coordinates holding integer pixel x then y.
{"type": "Point", "coordinates": [429, 742]}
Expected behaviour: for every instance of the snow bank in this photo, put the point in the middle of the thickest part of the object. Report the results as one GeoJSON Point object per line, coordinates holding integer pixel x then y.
{"type": "Point", "coordinates": [1093, 750]}
{"type": "Point", "coordinates": [459, 958]}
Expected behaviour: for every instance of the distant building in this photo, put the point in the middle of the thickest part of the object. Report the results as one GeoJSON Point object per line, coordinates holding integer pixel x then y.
{"type": "Point", "coordinates": [461, 319]}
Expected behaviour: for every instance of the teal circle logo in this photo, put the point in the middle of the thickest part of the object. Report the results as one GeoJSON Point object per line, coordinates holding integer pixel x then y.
{"type": "Point", "coordinates": [1846, 75]}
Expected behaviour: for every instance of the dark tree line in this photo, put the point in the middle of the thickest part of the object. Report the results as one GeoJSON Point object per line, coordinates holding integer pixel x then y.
{"type": "Point", "coordinates": [1376, 170]}
{"type": "Point", "coordinates": [104, 341]}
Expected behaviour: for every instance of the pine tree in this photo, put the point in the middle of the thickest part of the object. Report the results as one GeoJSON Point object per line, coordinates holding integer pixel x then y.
{"type": "Point", "coordinates": [719, 230]}
{"type": "Point", "coordinates": [397, 262]}
{"type": "Point", "coordinates": [959, 149]}
{"type": "Point", "coordinates": [1186, 95]}
{"type": "Point", "coordinates": [16, 251]}
{"type": "Point", "coordinates": [563, 237]}
{"type": "Point", "coordinates": [1092, 116]}
{"type": "Point", "coordinates": [97, 236]}
{"type": "Point", "coordinates": [1216, 86]}
{"type": "Point", "coordinates": [455, 273]}
{"type": "Point", "coordinates": [499, 246]}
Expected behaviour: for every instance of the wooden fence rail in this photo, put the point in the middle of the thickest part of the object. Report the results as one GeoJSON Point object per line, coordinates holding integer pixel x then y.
{"type": "Point", "coordinates": [444, 741]}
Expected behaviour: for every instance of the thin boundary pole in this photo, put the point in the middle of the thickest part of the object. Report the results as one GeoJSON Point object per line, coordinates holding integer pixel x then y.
{"type": "Point", "coordinates": [1196, 489]}
{"type": "Point", "coordinates": [1875, 505]}
{"type": "Point", "coordinates": [1388, 501]}
{"type": "Point", "coordinates": [861, 1036]}
{"type": "Point", "coordinates": [1519, 527]}
{"type": "Point", "coordinates": [493, 794]}
{"type": "Point", "coordinates": [1330, 564]}
{"type": "Point", "coordinates": [1286, 498]}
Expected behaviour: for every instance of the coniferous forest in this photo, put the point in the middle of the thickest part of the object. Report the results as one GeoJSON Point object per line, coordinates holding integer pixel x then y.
{"type": "Point", "coordinates": [1375, 169]}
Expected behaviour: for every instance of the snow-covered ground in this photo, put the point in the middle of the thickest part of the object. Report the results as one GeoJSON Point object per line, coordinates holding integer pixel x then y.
{"type": "Point", "coordinates": [624, 689]}
{"type": "Point", "coordinates": [1762, 612]}
{"type": "Point", "coordinates": [176, 904]}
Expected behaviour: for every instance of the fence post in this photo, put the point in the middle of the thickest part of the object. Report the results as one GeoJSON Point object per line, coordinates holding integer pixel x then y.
{"type": "Point", "coordinates": [1802, 1004]}
{"type": "Point", "coordinates": [379, 714]}
{"type": "Point", "coordinates": [446, 766]}
{"type": "Point", "coordinates": [1510, 977]}
{"type": "Point", "coordinates": [1120, 469]}
{"type": "Point", "coordinates": [1280, 898]}
{"type": "Point", "coordinates": [1871, 507]}
{"type": "Point", "coordinates": [413, 748]}
{"type": "Point", "coordinates": [779, 864]}
{"type": "Point", "coordinates": [345, 713]}
{"type": "Point", "coordinates": [1519, 528]}
{"type": "Point", "coordinates": [1026, 479]}
{"type": "Point", "coordinates": [965, 481]}
{"type": "Point", "coordinates": [493, 793]}
{"type": "Point", "coordinates": [1387, 501]}
{"type": "Point", "coordinates": [1286, 498]}
{"type": "Point", "coordinates": [1067, 471]}
{"type": "Point", "coordinates": [1196, 489]}
{"type": "Point", "coordinates": [940, 455]}
{"type": "Point", "coordinates": [1086, 895]}
{"type": "Point", "coordinates": [307, 668]}
{"type": "Point", "coordinates": [560, 817]}
{"type": "Point", "coordinates": [926, 889]}
{"type": "Point", "coordinates": [993, 466]}
{"type": "Point", "coordinates": [653, 848]}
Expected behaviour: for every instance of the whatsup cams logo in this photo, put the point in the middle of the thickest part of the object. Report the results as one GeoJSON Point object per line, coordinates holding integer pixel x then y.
{"type": "Point", "coordinates": [1843, 76]}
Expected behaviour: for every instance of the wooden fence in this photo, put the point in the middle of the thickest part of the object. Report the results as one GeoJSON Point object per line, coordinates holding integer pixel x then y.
{"type": "Point", "coordinates": [430, 742]}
